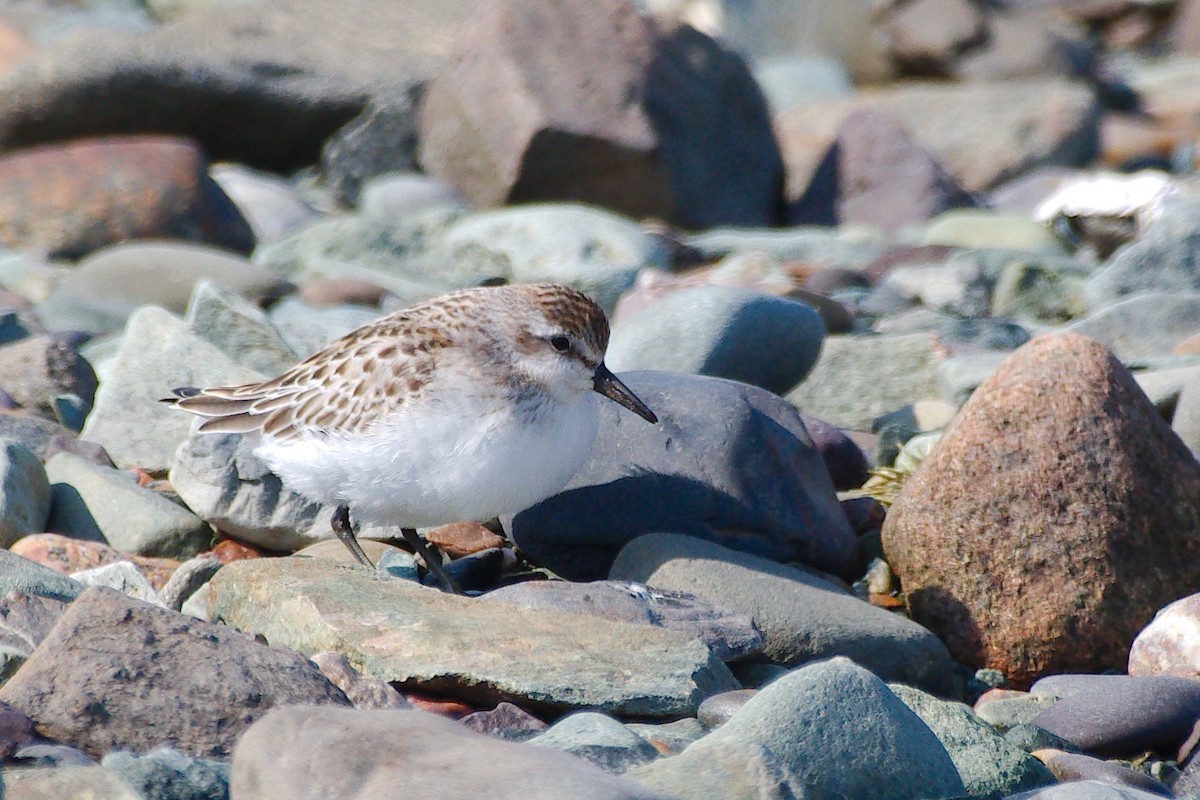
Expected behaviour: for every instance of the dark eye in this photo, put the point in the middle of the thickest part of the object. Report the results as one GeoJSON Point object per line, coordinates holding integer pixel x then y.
{"type": "Point", "coordinates": [560, 343]}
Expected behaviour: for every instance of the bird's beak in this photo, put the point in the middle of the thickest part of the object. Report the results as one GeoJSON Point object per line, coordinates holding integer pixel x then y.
{"type": "Point", "coordinates": [611, 387]}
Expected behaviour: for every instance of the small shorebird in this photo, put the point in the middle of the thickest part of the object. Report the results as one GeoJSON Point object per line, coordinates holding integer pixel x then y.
{"type": "Point", "coordinates": [465, 407]}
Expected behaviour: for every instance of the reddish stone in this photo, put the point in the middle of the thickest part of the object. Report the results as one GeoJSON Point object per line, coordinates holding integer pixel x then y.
{"type": "Point", "coordinates": [66, 555]}
{"type": "Point", "coordinates": [336, 291]}
{"type": "Point", "coordinates": [1056, 516]}
{"type": "Point", "coordinates": [884, 600]}
{"type": "Point", "coordinates": [229, 550]}
{"type": "Point", "coordinates": [460, 539]}
{"type": "Point", "coordinates": [67, 200]}
{"type": "Point", "coordinates": [593, 101]}
{"type": "Point", "coordinates": [998, 694]}
{"type": "Point", "coordinates": [441, 706]}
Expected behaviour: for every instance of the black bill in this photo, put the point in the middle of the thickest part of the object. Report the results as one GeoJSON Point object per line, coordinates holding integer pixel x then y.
{"type": "Point", "coordinates": [611, 387]}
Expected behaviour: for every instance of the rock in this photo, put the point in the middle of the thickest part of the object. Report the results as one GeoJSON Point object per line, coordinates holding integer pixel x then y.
{"type": "Point", "coordinates": [238, 328]}
{"type": "Point", "coordinates": [158, 353]}
{"type": "Point", "coordinates": [1031, 738]}
{"type": "Point", "coordinates": [730, 635]}
{"type": "Point", "coordinates": [719, 331]}
{"type": "Point", "coordinates": [25, 620]}
{"type": "Point", "coordinates": [1117, 716]}
{"type": "Point", "coordinates": [103, 504]}
{"type": "Point", "coordinates": [926, 37]}
{"type": "Point", "coordinates": [790, 81]}
{"type": "Point", "coordinates": [594, 251]}
{"type": "Point", "coordinates": [1162, 260]}
{"type": "Point", "coordinates": [1041, 290]}
{"type": "Point", "coordinates": [981, 133]}
{"type": "Point", "coordinates": [38, 371]}
{"type": "Point", "coordinates": [48, 754]}
{"type": "Point", "coordinates": [726, 462]}
{"type": "Point", "coordinates": [845, 460]}
{"type": "Point", "coordinates": [460, 539]}
{"type": "Point", "coordinates": [716, 710]}
{"type": "Point", "coordinates": [1012, 712]}
{"type": "Point", "coordinates": [16, 731]}
{"type": "Point", "coordinates": [672, 124]}
{"type": "Point", "coordinates": [67, 200]}
{"type": "Point", "coordinates": [122, 577]}
{"type": "Point", "coordinates": [506, 721]}
{"type": "Point", "coordinates": [875, 174]}
{"type": "Point", "coordinates": [960, 376]}
{"type": "Point", "coordinates": [818, 247]}
{"type": "Point", "coordinates": [959, 286]}
{"type": "Point", "coordinates": [323, 292]}
{"type": "Point", "coordinates": [380, 140]}
{"type": "Point", "coordinates": [325, 757]}
{"type": "Point", "coordinates": [259, 85]}
{"type": "Point", "coordinates": [833, 708]}
{"type": "Point", "coordinates": [24, 493]}
{"type": "Point", "coordinates": [597, 738]}
{"type": "Point", "coordinates": [226, 485]}
{"type": "Point", "coordinates": [984, 229]}
{"type": "Point", "coordinates": [986, 762]}
{"type": "Point", "coordinates": [858, 378]}
{"type": "Point", "coordinates": [364, 691]}
{"type": "Point", "coordinates": [1091, 586]}
{"type": "Point", "coordinates": [269, 204]}
{"type": "Point", "coordinates": [66, 555]}
{"type": "Point", "coordinates": [669, 738]}
{"type": "Point", "coordinates": [1068, 767]}
{"type": "Point", "coordinates": [99, 295]}
{"type": "Point", "coordinates": [76, 781]}
{"type": "Point", "coordinates": [21, 575]}
{"type": "Point", "coordinates": [802, 616]}
{"type": "Point", "coordinates": [399, 194]}
{"type": "Point", "coordinates": [1086, 790]}
{"type": "Point", "coordinates": [425, 639]}
{"type": "Point", "coordinates": [118, 673]}
{"type": "Point", "coordinates": [167, 773]}
{"type": "Point", "coordinates": [305, 329]}
{"type": "Point", "coordinates": [1147, 325]}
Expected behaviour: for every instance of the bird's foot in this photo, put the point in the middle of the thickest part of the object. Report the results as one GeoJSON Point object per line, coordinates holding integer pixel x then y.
{"type": "Point", "coordinates": [344, 530]}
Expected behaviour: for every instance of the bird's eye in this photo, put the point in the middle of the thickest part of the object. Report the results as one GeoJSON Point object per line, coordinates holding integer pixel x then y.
{"type": "Point", "coordinates": [560, 343]}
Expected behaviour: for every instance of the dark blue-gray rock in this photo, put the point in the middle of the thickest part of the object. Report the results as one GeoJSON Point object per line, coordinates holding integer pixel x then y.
{"type": "Point", "coordinates": [721, 331]}
{"type": "Point", "coordinates": [325, 757]}
{"type": "Point", "coordinates": [118, 673]}
{"type": "Point", "coordinates": [24, 493]}
{"type": "Point", "coordinates": [1067, 767]}
{"type": "Point", "coordinates": [716, 710]}
{"type": "Point", "coordinates": [987, 764]}
{"type": "Point", "coordinates": [382, 139]}
{"type": "Point", "coordinates": [731, 635]}
{"type": "Point", "coordinates": [859, 378]}
{"type": "Point", "coordinates": [98, 503]}
{"type": "Point", "coordinates": [1119, 715]}
{"type": "Point", "coordinates": [506, 721]}
{"type": "Point", "coordinates": [1143, 326]}
{"type": "Point", "coordinates": [847, 463]}
{"type": "Point", "coordinates": [966, 336]}
{"type": "Point", "coordinates": [726, 462]}
{"type": "Point", "coordinates": [1164, 259]}
{"type": "Point", "coordinates": [1086, 790]}
{"type": "Point", "coordinates": [19, 574]}
{"type": "Point", "coordinates": [802, 615]}
{"type": "Point", "coordinates": [167, 774]}
{"type": "Point", "coordinates": [100, 293]}
{"type": "Point", "coordinates": [827, 730]}
{"type": "Point", "coordinates": [597, 738]}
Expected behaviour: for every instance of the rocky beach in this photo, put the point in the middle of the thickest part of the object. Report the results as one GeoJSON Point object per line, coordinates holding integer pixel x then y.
{"type": "Point", "coordinates": [912, 286]}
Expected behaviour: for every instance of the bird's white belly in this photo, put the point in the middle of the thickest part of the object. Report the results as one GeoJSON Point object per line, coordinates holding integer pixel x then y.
{"type": "Point", "coordinates": [430, 469]}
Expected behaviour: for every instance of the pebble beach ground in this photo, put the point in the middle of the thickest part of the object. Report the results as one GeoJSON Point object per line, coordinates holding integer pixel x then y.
{"type": "Point", "coordinates": [913, 287]}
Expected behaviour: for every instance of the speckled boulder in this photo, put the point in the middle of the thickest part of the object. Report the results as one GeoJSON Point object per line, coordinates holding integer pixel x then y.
{"type": "Point", "coordinates": [1058, 514]}
{"type": "Point", "coordinates": [1170, 645]}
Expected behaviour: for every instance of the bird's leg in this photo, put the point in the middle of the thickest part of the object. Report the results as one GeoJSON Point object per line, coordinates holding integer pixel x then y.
{"type": "Point", "coordinates": [344, 530]}
{"type": "Point", "coordinates": [432, 559]}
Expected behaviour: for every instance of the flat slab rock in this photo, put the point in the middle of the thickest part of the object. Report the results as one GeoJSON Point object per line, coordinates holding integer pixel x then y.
{"type": "Point", "coordinates": [119, 673]}
{"type": "Point", "coordinates": [424, 639]}
{"type": "Point", "coordinates": [324, 757]}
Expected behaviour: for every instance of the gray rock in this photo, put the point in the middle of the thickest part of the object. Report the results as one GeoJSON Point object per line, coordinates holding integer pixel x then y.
{"type": "Point", "coordinates": [1186, 419]}
{"type": "Point", "coordinates": [1142, 326]}
{"type": "Point", "coordinates": [955, 286]}
{"type": "Point", "coordinates": [727, 462]}
{"type": "Point", "coordinates": [106, 287]}
{"type": "Point", "coordinates": [731, 635]}
{"type": "Point", "coordinates": [41, 372]}
{"type": "Point", "coordinates": [325, 757]}
{"type": "Point", "coordinates": [1077, 767]}
{"type": "Point", "coordinates": [669, 738]}
{"type": "Point", "coordinates": [790, 81]}
{"type": "Point", "coordinates": [1009, 712]}
{"type": "Point", "coordinates": [1044, 290]}
{"type": "Point", "coordinates": [364, 691]}
{"type": "Point", "coordinates": [986, 762]}
{"type": "Point", "coordinates": [24, 493]}
{"type": "Point", "coordinates": [305, 329]}
{"type": "Point", "coordinates": [394, 195]}
{"type": "Point", "coordinates": [221, 480]}
{"type": "Point", "coordinates": [959, 376]}
{"type": "Point", "coordinates": [19, 574]}
{"type": "Point", "coordinates": [1031, 738]}
{"type": "Point", "coordinates": [802, 616]}
{"type": "Point", "coordinates": [167, 774]}
{"type": "Point", "coordinates": [271, 205]}
{"type": "Point", "coordinates": [870, 744]}
{"type": "Point", "coordinates": [76, 781]}
{"type": "Point", "coordinates": [716, 710]}
{"type": "Point", "coordinates": [187, 579]}
{"type": "Point", "coordinates": [1086, 790]}
{"type": "Point", "coordinates": [1162, 260]}
{"type": "Point", "coordinates": [103, 504]}
{"type": "Point", "coordinates": [719, 331]}
{"type": "Point", "coordinates": [506, 721]}
{"type": "Point", "coordinates": [124, 577]}
{"type": "Point", "coordinates": [158, 353]}
{"type": "Point", "coordinates": [815, 245]}
{"type": "Point", "coordinates": [118, 673]}
{"type": "Point", "coordinates": [25, 620]}
{"type": "Point", "coordinates": [382, 139]}
{"type": "Point", "coordinates": [238, 328]}
{"type": "Point", "coordinates": [425, 639]}
{"type": "Point", "coordinates": [597, 738]}
{"type": "Point", "coordinates": [858, 378]}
